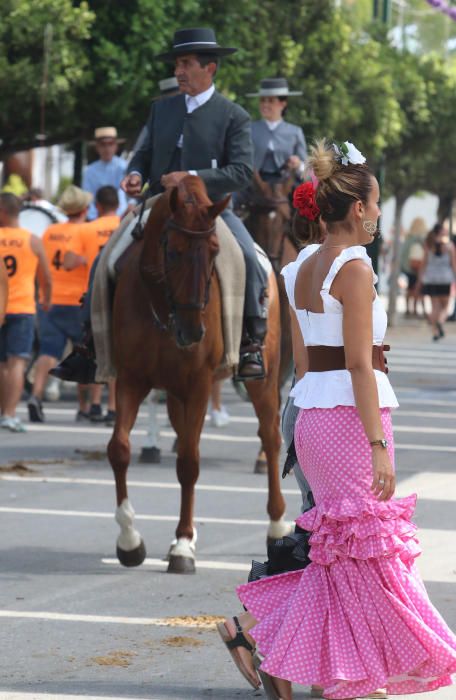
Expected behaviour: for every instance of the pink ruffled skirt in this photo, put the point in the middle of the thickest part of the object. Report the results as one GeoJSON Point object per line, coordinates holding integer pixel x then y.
{"type": "Point", "coordinates": [358, 617]}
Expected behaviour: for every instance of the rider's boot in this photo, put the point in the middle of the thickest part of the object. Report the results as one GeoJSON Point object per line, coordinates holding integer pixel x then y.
{"type": "Point", "coordinates": [251, 363]}
{"type": "Point", "coordinates": [79, 366]}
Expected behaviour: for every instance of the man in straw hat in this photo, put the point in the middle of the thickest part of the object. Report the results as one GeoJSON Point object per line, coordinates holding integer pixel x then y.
{"type": "Point", "coordinates": [201, 132]}
{"type": "Point", "coordinates": [277, 143]}
{"type": "Point", "coordinates": [62, 321]}
{"type": "Point", "coordinates": [109, 169]}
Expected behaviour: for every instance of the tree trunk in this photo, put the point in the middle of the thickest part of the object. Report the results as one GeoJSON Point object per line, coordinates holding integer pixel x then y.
{"type": "Point", "coordinates": [78, 150]}
{"type": "Point", "coordinates": [395, 262]}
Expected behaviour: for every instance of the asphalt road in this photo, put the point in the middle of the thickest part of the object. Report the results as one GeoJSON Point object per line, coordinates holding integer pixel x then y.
{"type": "Point", "coordinates": [76, 624]}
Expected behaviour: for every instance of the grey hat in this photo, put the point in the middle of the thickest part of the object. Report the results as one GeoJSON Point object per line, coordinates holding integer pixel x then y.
{"type": "Point", "coordinates": [274, 87]}
{"type": "Point", "coordinates": [196, 40]}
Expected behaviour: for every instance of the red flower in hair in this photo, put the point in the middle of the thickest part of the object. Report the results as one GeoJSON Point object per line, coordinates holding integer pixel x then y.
{"type": "Point", "coordinates": [304, 201]}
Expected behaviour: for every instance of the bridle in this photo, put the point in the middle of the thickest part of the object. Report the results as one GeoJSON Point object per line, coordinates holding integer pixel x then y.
{"type": "Point", "coordinates": [194, 263]}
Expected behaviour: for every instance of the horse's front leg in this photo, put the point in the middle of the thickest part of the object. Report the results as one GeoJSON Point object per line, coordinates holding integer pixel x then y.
{"type": "Point", "coordinates": [129, 395]}
{"type": "Point", "coordinates": [187, 419]}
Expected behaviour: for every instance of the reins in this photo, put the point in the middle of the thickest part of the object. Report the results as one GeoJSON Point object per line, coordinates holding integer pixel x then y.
{"type": "Point", "coordinates": [195, 265]}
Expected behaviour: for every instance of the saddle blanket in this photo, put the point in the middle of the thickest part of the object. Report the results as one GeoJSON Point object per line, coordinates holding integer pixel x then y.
{"type": "Point", "coordinates": [230, 268]}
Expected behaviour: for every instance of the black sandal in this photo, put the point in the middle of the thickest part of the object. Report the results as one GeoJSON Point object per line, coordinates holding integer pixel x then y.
{"type": "Point", "coordinates": [233, 644]}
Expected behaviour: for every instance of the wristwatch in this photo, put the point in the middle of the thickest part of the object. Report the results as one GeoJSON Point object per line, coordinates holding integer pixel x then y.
{"type": "Point", "coordinates": [383, 443]}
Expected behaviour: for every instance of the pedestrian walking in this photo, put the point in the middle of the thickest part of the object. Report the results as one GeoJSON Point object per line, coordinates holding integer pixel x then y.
{"type": "Point", "coordinates": [84, 251]}
{"type": "Point", "coordinates": [62, 321]}
{"type": "Point", "coordinates": [25, 261]}
{"type": "Point", "coordinates": [411, 260]}
{"type": "Point", "coordinates": [357, 621]}
{"type": "Point", "coordinates": [436, 277]}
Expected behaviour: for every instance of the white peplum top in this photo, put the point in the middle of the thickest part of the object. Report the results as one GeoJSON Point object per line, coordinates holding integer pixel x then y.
{"type": "Point", "coordinates": [334, 388]}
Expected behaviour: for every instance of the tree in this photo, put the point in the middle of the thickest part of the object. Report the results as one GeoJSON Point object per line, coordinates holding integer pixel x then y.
{"type": "Point", "coordinates": [22, 32]}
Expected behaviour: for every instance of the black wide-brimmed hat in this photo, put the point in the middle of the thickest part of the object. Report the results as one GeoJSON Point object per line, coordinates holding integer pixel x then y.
{"type": "Point", "coordinates": [274, 87]}
{"type": "Point", "coordinates": [196, 40]}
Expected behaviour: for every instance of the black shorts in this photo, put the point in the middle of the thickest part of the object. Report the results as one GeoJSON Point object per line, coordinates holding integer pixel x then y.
{"type": "Point", "coordinates": [411, 279]}
{"type": "Point", "coordinates": [436, 290]}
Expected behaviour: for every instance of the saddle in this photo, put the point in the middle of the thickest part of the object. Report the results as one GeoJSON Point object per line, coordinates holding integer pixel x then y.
{"type": "Point", "coordinates": [230, 268]}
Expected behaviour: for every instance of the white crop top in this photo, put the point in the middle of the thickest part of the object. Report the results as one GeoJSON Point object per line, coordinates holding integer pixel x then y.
{"type": "Point", "coordinates": [334, 388]}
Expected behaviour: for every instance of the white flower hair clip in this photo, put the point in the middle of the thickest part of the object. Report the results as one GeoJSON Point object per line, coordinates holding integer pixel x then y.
{"type": "Point", "coordinates": [347, 153]}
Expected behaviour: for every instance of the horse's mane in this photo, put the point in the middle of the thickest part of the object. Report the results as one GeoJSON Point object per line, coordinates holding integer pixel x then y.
{"type": "Point", "coordinates": [193, 187]}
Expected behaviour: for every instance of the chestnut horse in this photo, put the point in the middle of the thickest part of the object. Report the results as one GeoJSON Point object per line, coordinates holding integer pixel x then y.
{"type": "Point", "coordinates": [167, 334]}
{"type": "Point", "coordinates": [269, 221]}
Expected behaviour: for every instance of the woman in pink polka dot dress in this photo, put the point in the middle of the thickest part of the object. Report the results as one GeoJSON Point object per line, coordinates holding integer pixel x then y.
{"type": "Point", "coordinates": [357, 622]}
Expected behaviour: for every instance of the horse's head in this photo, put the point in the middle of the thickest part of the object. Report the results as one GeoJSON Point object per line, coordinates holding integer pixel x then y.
{"type": "Point", "coordinates": [189, 244]}
{"type": "Point", "coordinates": [269, 213]}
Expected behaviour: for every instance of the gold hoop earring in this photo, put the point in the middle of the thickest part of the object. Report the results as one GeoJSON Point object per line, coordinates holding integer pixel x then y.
{"type": "Point", "coordinates": [370, 227]}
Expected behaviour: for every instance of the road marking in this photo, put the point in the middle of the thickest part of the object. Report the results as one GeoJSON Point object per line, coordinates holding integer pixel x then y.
{"type": "Point", "coordinates": [438, 486]}
{"type": "Point", "coordinates": [216, 437]}
{"type": "Point", "coordinates": [103, 514]}
{"type": "Point", "coordinates": [140, 484]}
{"type": "Point", "coordinates": [424, 414]}
{"type": "Point", "coordinates": [63, 412]}
{"type": "Point", "coordinates": [60, 696]}
{"type": "Point", "coordinates": [430, 486]}
{"type": "Point", "coordinates": [413, 369]}
{"type": "Point", "coordinates": [420, 401]}
{"type": "Point", "coordinates": [87, 430]}
{"type": "Point", "coordinates": [204, 564]}
{"type": "Point", "coordinates": [99, 619]}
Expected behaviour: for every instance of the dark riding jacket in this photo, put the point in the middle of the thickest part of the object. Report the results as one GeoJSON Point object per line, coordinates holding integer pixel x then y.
{"type": "Point", "coordinates": [217, 144]}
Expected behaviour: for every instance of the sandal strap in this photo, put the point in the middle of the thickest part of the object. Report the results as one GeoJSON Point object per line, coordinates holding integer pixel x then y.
{"type": "Point", "coordinates": [239, 640]}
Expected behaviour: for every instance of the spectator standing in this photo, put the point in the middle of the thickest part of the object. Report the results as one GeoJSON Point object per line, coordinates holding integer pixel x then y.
{"type": "Point", "coordinates": [3, 291]}
{"type": "Point", "coordinates": [84, 251]}
{"type": "Point", "coordinates": [109, 169]}
{"type": "Point", "coordinates": [25, 261]}
{"type": "Point", "coordinates": [62, 322]}
{"type": "Point", "coordinates": [412, 255]}
{"type": "Point", "coordinates": [437, 275]}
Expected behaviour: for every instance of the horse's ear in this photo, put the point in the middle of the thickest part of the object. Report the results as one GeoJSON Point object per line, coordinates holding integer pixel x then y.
{"type": "Point", "coordinates": [173, 200]}
{"type": "Point", "coordinates": [216, 209]}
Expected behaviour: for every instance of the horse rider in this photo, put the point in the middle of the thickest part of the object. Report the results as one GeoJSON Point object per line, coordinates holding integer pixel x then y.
{"type": "Point", "coordinates": [200, 132]}
{"type": "Point", "coordinates": [277, 144]}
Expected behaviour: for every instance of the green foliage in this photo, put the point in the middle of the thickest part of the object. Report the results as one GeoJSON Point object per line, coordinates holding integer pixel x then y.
{"type": "Point", "coordinates": [22, 34]}
{"type": "Point", "coordinates": [393, 100]}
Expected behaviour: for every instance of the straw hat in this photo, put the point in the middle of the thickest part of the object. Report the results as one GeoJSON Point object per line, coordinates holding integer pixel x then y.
{"type": "Point", "coordinates": [418, 227]}
{"type": "Point", "coordinates": [106, 132]}
{"type": "Point", "coordinates": [74, 200]}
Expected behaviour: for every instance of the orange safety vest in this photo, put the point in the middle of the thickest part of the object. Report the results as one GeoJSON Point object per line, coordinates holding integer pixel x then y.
{"type": "Point", "coordinates": [68, 286]}
{"type": "Point", "coordinates": [21, 263]}
{"type": "Point", "coordinates": [94, 236]}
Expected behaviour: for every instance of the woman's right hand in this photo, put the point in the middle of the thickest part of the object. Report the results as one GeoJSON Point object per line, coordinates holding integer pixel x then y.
{"type": "Point", "coordinates": [384, 480]}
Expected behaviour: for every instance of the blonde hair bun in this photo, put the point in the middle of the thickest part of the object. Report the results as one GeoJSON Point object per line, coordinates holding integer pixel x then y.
{"type": "Point", "coordinates": [323, 160]}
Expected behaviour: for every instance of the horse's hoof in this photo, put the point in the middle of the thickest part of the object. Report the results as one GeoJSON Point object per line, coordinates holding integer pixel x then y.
{"type": "Point", "coordinates": [181, 565]}
{"type": "Point", "coordinates": [261, 466]}
{"type": "Point", "coordinates": [150, 455]}
{"type": "Point", "coordinates": [134, 557]}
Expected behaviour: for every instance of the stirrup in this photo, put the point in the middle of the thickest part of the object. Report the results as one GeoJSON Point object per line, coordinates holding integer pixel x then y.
{"type": "Point", "coordinates": [254, 357]}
